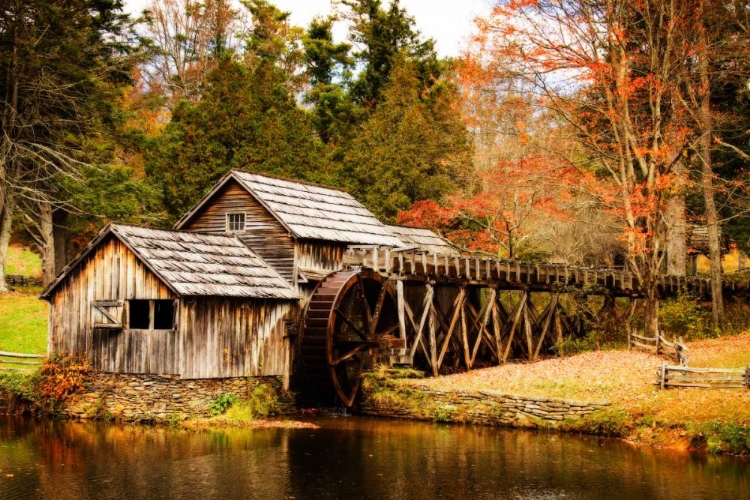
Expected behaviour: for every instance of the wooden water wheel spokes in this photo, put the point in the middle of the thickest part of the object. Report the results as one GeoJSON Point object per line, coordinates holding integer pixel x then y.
{"type": "Point", "coordinates": [352, 311]}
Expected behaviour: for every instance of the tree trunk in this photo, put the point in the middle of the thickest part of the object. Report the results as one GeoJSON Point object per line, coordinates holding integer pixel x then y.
{"type": "Point", "coordinates": [6, 225]}
{"type": "Point", "coordinates": [651, 313]}
{"type": "Point", "coordinates": [707, 184]}
{"type": "Point", "coordinates": [676, 229]}
{"type": "Point", "coordinates": [46, 244]}
{"type": "Point", "coordinates": [60, 222]}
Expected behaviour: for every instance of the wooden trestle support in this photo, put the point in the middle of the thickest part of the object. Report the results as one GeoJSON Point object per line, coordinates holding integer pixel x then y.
{"type": "Point", "coordinates": [443, 313]}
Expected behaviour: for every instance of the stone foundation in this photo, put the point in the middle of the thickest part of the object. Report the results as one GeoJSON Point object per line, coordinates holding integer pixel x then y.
{"type": "Point", "coordinates": [137, 398]}
{"type": "Point", "coordinates": [478, 407]}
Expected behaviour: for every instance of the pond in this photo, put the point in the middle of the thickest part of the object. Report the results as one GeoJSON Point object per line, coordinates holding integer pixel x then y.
{"type": "Point", "coordinates": [347, 458]}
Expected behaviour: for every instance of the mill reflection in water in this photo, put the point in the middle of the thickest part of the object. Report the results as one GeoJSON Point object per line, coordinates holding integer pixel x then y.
{"type": "Point", "coordinates": [347, 458]}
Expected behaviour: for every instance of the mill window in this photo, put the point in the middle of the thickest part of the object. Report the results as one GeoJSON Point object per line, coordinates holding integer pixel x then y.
{"type": "Point", "coordinates": [151, 315]}
{"type": "Point", "coordinates": [235, 222]}
{"type": "Point", "coordinates": [139, 318]}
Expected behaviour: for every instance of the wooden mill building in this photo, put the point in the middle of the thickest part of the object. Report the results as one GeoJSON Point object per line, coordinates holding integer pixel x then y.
{"type": "Point", "coordinates": [216, 296]}
{"type": "Point", "coordinates": [269, 277]}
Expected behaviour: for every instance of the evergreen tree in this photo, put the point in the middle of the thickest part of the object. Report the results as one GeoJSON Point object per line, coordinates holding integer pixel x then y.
{"type": "Point", "coordinates": [329, 67]}
{"type": "Point", "coordinates": [384, 35]}
{"type": "Point", "coordinates": [246, 119]}
{"type": "Point", "coordinates": [414, 147]}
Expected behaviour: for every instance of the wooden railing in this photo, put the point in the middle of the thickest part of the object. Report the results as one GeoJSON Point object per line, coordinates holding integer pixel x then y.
{"type": "Point", "coordinates": [705, 378]}
{"type": "Point", "coordinates": [16, 361]}
{"type": "Point", "coordinates": [414, 264]}
{"type": "Point", "coordinates": [408, 264]}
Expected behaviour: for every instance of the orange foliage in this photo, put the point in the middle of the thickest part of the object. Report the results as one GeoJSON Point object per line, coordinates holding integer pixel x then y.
{"type": "Point", "coordinates": [62, 375]}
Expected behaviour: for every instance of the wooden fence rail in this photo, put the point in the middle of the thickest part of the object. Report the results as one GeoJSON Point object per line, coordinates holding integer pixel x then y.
{"type": "Point", "coordinates": [705, 378]}
{"type": "Point", "coordinates": [17, 361]}
{"type": "Point", "coordinates": [676, 350]}
{"type": "Point", "coordinates": [18, 280]}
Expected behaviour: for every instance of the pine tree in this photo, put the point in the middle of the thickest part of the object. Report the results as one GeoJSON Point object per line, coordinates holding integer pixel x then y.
{"type": "Point", "coordinates": [246, 119]}
{"type": "Point", "coordinates": [414, 146]}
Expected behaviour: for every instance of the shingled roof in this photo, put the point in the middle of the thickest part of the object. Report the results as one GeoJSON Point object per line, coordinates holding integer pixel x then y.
{"type": "Point", "coordinates": [194, 264]}
{"type": "Point", "coordinates": [310, 212]}
{"type": "Point", "coordinates": [424, 239]}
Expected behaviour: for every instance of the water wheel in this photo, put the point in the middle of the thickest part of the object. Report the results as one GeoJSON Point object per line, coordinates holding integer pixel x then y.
{"type": "Point", "coordinates": [350, 319]}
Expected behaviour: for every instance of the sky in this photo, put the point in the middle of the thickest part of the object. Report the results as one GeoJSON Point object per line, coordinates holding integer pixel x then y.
{"type": "Point", "coordinates": [449, 22]}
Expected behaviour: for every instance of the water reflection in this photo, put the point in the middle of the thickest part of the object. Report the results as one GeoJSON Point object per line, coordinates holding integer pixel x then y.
{"type": "Point", "coordinates": [347, 458]}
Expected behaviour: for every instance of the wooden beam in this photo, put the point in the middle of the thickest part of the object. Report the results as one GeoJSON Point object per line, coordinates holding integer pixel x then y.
{"type": "Point", "coordinates": [457, 306]}
{"type": "Point", "coordinates": [425, 312]}
{"type": "Point", "coordinates": [547, 320]}
{"type": "Point", "coordinates": [519, 310]}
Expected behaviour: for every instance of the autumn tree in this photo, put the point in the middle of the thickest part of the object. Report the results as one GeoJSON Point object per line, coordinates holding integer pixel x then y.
{"type": "Point", "coordinates": [709, 79]}
{"type": "Point", "coordinates": [186, 38]}
{"type": "Point", "coordinates": [606, 70]}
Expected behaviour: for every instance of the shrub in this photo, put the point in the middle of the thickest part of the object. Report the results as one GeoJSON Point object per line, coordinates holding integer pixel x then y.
{"type": "Point", "coordinates": [684, 316]}
{"type": "Point", "coordinates": [61, 375]}
{"type": "Point", "coordinates": [222, 403]}
{"type": "Point", "coordinates": [19, 390]}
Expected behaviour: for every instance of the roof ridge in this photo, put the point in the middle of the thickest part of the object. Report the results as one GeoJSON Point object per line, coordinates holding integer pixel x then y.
{"type": "Point", "coordinates": [294, 181]}
{"type": "Point", "coordinates": [170, 230]}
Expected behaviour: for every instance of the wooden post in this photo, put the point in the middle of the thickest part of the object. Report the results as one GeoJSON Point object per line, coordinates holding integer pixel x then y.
{"type": "Point", "coordinates": [401, 314]}
{"type": "Point", "coordinates": [429, 292]}
{"type": "Point", "coordinates": [465, 337]}
{"type": "Point", "coordinates": [547, 319]}
{"type": "Point", "coordinates": [433, 341]}
{"type": "Point", "coordinates": [663, 375]}
{"type": "Point", "coordinates": [458, 305]}
{"type": "Point", "coordinates": [558, 330]}
{"type": "Point", "coordinates": [747, 376]}
{"type": "Point", "coordinates": [527, 330]}
{"type": "Point", "coordinates": [496, 327]}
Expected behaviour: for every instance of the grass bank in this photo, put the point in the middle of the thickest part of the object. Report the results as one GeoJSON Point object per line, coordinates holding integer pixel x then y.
{"type": "Point", "coordinates": [23, 317]}
{"type": "Point", "coordinates": [23, 322]}
{"type": "Point", "coordinates": [23, 262]}
{"type": "Point", "coordinates": [715, 420]}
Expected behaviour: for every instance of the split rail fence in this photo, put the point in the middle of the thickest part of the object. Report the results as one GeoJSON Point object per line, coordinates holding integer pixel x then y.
{"type": "Point", "coordinates": [16, 361]}
{"type": "Point", "coordinates": [659, 345]}
{"type": "Point", "coordinates": [705, 378]}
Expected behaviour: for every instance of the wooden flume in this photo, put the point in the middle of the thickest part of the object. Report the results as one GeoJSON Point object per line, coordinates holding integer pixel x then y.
{"type": "Point", "coordinates": [451, 312]}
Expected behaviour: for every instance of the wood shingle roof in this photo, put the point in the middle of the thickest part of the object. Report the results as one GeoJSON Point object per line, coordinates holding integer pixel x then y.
{"type": "Point", "coordinates": [424, 239]}
{"type": "Point", "coordinates": [194, 264]}
{"type": "Point", "coordinates": [309, 211]}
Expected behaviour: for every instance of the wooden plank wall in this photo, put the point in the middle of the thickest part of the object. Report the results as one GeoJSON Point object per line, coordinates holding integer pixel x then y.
{"type": "Point", "coordinates": [111, 272]}
{"type": "Point", "coordinates": [325, 257]}
{"type": "Point", "coordinates": [263, 233]}
{"type": "Point", "coordinates": [226, 337]}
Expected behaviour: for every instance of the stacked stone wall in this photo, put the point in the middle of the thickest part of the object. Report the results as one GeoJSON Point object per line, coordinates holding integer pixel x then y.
{"type": "Point", "coordinates": [134, 398]}
{"type": "Point", "coordinates": [478, 407]}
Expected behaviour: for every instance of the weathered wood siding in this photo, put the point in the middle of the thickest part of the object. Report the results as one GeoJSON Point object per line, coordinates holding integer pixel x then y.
{"type": "Point", "coordinates": [263, 233]}
{"type": "Point", "coordinates": [111, 272]}
{"type": "Point", "coordinates": [233, 337]}
{"type": "Point", "coordinates": [135, 351]}
{"type": "Point", "coordinates": [324, 257]}
{"type": "Point", "coordinates": [213, 337]}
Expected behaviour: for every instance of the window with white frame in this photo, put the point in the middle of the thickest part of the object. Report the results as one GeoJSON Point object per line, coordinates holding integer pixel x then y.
{"type": "Point", "coordinates": [235, 222]}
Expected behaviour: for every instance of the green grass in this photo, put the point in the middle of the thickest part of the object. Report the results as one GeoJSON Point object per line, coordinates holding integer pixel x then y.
{"type": "Point", "coordinates": [23, 262]}
{"type": "Point", "coordinates": [23, 323]}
